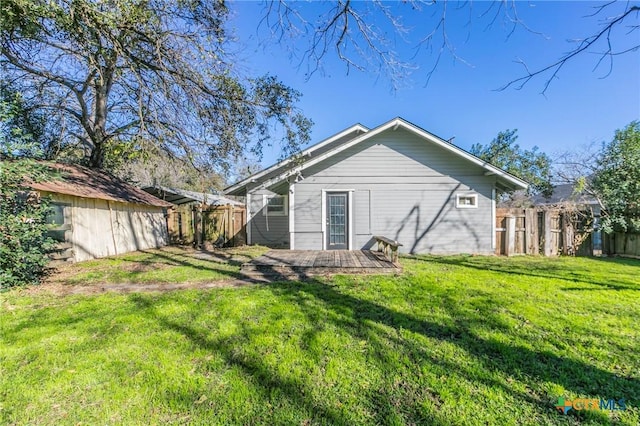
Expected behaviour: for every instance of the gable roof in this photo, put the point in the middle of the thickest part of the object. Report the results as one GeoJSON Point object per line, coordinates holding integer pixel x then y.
{"type": "Point", "coordinates": [288, 168]}
{"type": "Point", "coordinates": [182, 196]}
{"type": "Point", "coordinates": [83, 182]}
{"type": "Point", "coordinates": [322, 146]}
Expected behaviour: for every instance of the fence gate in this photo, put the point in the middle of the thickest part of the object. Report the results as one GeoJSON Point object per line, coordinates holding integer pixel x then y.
{"type": "Point", "coordinates": [224, 226]}
{"type": "Point", "coordinates": [216, 226]}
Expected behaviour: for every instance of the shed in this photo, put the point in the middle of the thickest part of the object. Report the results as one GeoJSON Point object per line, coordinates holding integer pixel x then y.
{"type": "Point", "coordinates": [96, 214]}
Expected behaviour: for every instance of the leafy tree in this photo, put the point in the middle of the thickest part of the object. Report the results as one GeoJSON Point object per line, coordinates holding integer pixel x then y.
{"type": "Point", "coordinates": [530, 165]}
{"type": "Point", "coordinates": [125, 76]}
{"type": "Point", "coordinates": [617, 181]}
{"type": "Point", "coordinates": [24, 243]}
{"type": "Point", "coordinates": [159, 169]}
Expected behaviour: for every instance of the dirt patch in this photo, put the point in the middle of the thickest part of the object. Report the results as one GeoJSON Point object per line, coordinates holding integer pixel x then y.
{"type": "Point", "coordinates": [66, 289]}
{"type": "Point", "coordinates": [126, 273]}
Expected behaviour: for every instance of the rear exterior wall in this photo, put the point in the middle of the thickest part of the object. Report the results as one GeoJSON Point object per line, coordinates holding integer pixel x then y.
{"type": "Point", "coordinates": [266, 229]}
{"type": "Point", "coordinates": [404, 188]}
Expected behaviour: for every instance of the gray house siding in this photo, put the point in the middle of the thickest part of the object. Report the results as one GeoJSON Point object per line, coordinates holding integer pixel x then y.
{"type": "Point", "coordinates": [266, 229]}
{"type": "Point", "coordinates": [404, 188]}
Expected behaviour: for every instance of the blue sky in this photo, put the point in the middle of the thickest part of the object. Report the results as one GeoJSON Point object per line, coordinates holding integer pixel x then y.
{"type": "Point", "coordinates": [579, 108]}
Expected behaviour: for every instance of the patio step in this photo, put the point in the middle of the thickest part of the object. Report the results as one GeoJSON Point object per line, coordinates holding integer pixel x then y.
{"type": "Point", "coordinates": [301, 272]}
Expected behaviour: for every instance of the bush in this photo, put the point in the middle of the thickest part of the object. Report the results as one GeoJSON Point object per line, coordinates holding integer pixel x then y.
{"type": "Point", "coordinates": [24, 243]}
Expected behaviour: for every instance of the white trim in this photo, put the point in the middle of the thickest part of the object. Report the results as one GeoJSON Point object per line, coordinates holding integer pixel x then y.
{"type": "Point", "coordinates": [493, 218]}
{"type": "Point", "coordinates": [249, 217]}
{"type": "Point", "coordinates": [350, 210]}
{"type": "Point", "coordinates": [292, 215]}
{"type": "Point", "coordinates": [265, 205]}
{"type": "Point", "coordinates": [395, 123]}
{"type": "Point", "coordinates": [323, 218]}
{"type": "Point", "coordinates": [472, 195]}
{"type": "Point", "coordinates": [350, 213]}
{"type": "Point", "coordinates": [356, 127]}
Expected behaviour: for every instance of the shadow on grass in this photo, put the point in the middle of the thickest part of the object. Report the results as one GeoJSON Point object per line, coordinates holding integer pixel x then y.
{"type": "Point", "coordinates": [296, 391]}
{"type": "Point", "coordinates": [540, 269]}
{"type": "Point", "coordinates": [356, 315]}
{"type": "Point", "coordinates": [377, 324]}
{"type": "Point", "coordinates": [223, 265]}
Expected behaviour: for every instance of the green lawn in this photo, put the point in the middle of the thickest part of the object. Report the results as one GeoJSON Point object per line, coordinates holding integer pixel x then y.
{"type": "Point", "coordinates": [164, 265]}
{"type": "Point", "coordinates": [451, 341]}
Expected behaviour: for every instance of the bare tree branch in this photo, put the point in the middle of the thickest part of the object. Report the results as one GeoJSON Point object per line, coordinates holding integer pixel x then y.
{"type": "Point", "coordinates": [365, 35]}
{"type": "Point", "coordinates": [583, 46]}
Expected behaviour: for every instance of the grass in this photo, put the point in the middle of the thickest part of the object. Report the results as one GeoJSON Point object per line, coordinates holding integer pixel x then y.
{"type": "Point", "coordinates": [452, 340]}
{"type": "Point", "coordinates": [164, 265]}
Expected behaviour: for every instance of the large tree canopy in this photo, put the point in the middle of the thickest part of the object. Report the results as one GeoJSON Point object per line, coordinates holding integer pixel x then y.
{"type": "Point", "coordinates": [143, 75]}
{"type": "Point", "coordinates": [616, 182]}
{"type": "Point", "coordinates": [530, 165]}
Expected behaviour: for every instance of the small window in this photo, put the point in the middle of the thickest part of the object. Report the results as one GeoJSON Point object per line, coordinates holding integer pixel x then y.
{"type": "Point", "coordinates": [59, 221]}
{"type": "Point", "coordinates": [275, 205]}
{"type": "Point", "coordinates": [466, 201]}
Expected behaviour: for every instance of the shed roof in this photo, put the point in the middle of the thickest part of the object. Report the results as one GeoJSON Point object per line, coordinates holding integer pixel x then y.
{"type": "Point", "coordinates": [287, 168]}
{"type": "Point", "coordinates": [564, 193]}
{"type": "Point", "coordinates": [182, 196]}
{"type": "Point", "coordinates": [83, 182]}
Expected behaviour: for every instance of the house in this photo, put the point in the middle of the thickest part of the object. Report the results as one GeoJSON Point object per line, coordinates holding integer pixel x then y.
{"type": "Point", "coordinates": [97, 215]}
{"type": "Point", "coordinates": [183, 223]}
{"type": "Point", "coordinates": [566, 194]}
{"type": "Point", "coordinates": [395, 180]}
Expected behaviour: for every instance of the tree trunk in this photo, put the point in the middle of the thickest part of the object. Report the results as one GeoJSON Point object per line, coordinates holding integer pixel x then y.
{"type": "Point", "coordinates": [102, 89]}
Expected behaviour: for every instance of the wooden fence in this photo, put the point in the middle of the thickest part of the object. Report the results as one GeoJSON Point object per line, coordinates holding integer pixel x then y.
{"type": "Point", "coordinates": [548, 232]}
{"type": "Point", "coordinates": [623, 244]}
{"type": "Point", "coordinates": [219, 226]}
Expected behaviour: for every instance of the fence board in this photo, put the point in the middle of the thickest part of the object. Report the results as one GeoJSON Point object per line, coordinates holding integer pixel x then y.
{"type": "Point", "coordinates": [625, 244]}
{"type": "Point", "coordinates": [550, 231]}
{"type": "Point", "coordinates": [213, 225]}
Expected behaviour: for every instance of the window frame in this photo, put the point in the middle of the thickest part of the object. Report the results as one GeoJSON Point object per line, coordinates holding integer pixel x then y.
{"type": "Point", "coordinates": [473, 196]}
{"type": "Point", "coordinates": [265, 205]}
{"type": "Point", "coordinates": [66, 227]}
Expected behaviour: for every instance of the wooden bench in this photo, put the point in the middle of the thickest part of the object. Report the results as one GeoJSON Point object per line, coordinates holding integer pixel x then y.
{"type": "Point", "coordinates": [389, 247]}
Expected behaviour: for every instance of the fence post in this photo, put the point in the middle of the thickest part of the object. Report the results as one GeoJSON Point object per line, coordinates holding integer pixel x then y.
{"type": "Point", "coordinates": [510, 237]}
{"type": "Point", "coordinates": [229, 231]}
{"type": "Point", "coordinates": [568, 237]}
{"type": "Point", "coordinates": [531, 231]}
{"type": "Point", "coordinates": [546, 216]}
{"type": "Point", "coordinates": [198, 226]}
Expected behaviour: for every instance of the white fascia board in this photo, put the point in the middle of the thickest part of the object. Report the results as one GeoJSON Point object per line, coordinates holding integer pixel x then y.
{"type": "Point", "coordinates": [308, 151]}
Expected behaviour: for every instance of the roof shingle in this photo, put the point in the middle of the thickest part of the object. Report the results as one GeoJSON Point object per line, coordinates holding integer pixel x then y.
{"type": "Point", "coordinates": [83, 182]}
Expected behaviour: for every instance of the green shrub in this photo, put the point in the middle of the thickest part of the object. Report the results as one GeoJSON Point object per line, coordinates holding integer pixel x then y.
{"type": "Point", "coordinates": [24, 243]}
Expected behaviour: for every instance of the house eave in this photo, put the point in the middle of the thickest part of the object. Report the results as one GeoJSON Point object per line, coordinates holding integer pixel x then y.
{"type": "Point", "coordinates": [240, 187]}
{"type": "Point", "coordinates": [508, 180]}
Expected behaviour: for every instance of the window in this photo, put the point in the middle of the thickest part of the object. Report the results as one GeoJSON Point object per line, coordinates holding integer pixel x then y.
{"type": "Point", "coordinates": [275, 205]}
{"type": "Point", "coordinates": [466, 201]}
{"type": "Point", "coordinates": [59, 221]}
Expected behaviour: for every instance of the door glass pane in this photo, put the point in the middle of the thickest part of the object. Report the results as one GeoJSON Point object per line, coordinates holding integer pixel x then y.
{"type": "Point", "coordinates": [337, 219]}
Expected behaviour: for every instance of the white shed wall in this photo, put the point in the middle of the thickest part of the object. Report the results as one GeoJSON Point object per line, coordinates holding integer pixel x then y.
{"type": "Point", "coordinates": [105, 228]}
